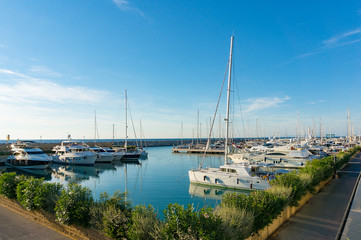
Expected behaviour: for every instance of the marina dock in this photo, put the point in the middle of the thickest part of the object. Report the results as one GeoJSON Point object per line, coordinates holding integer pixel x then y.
{"type": "Point", "coordinates": [197, 150]}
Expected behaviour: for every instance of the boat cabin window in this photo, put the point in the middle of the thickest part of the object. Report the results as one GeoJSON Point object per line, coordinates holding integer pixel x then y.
{"type": "Point", "coordinates": [228, 170]}
{"type": "Point", "coordinates": [276, 153]}
{"type": "Point", "coordinates": [35, 152]}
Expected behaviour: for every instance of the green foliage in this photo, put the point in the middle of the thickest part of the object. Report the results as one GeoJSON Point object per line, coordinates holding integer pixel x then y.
{"type": "Point", "coordinates": [73, 206]}
{"type": "Point", "coordinates": [111, 215]}
{"type": "Point", "coordinates": [26, 192]}
{"type": "Point", "coordinates": [264, 205]}
{"type": "Point", "coordinates": [236, 223]}
{"type": "Point", "coordinates": [8, 184]}
{"type": "Point", "coordinates": [319, 170]}
{"type": "Point", "coordinates": [181, 223]}
{"type": "Point", "coordinates": [115, 222]}
{"type": "Point", "coordinates": [293, 181]}
{"type": "Point", "coordinates": [47, 194]}
{"type": "Point", "coordinates": [344, 157]}
{"type": "Point", "coordinates": [145, 224]}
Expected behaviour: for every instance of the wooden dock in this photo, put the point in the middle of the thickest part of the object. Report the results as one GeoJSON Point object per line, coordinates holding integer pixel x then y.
{"type": "Point", "coordinates": [197, 150]}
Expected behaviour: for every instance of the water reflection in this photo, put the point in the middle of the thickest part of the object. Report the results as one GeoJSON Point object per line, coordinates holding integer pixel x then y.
{"type": "Point", "coordinates": [37, 173]}
{"type": "Point", "coordinates": [206, 192]}
{"type": "Point", "coordinates": [73, 173]}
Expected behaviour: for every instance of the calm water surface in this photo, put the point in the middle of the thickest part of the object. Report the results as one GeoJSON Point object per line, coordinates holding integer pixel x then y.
{"type": "Point", "coordinates": [159, 180]}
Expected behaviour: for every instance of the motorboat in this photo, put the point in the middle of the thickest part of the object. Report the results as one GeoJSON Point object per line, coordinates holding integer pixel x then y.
{"type": "Point", "coordinates": [103, 156]}
{"type": "Point", "coordinates": [71, 152]}
{"type": "Point", "coordinates": [25, 156]}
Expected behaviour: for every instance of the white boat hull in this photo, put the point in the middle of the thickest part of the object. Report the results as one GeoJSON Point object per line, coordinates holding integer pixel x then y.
{"type": "Point", "coordinates": [76, 159]}
{"type": "Point", "coordinates": [104, 158]}
{"type": "Point", "coordinates": [227, 180]}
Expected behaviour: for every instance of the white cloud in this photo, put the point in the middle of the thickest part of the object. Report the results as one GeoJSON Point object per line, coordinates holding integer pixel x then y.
{"type": "Point", "coordinates": [343, 39]}
{"type": "Point", "coordinates": [44, 71]}
{"type": "Point", "coordinates": [255, 104]}
{"type": "Point", "coordinates": [33, 90]}
{"type": "Point", "coordinates": [124, 5]}
{"type": "Point", "coordinates": [32, 106]}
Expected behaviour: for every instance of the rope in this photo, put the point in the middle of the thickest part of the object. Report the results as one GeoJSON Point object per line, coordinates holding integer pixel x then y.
{"type": "Point", "coordinates": [214, 116]}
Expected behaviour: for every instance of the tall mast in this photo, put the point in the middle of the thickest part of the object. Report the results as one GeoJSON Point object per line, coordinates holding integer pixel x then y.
{"type": "Point", "coordinates": [126, 123]}
{"type": "Point", "coordinates": [95, 126]}
{"type": "Point", "coordinates": [113, 135]}
{"type": "Point", "coordinates": [228, 98]}
{"type": "Point", "coordinates": [198, 127]}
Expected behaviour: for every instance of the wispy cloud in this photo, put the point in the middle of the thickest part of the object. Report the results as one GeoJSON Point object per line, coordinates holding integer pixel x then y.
{"type": "Point", "coordinates": [254, 104]}
{"type": "Point", "coordinates": [44, 71]}
{"type": "Point", "coordinates": [34, 90]}
{"type": "Point", "coordinates": [343, 39]}
{"type": "Point", "coordinates": [124, 5]}
{"type": "Point", "coordinates": [339, 40]}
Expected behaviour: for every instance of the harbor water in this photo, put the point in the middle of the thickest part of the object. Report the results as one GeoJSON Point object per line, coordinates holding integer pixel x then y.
{"type": "Point", "coordinates": [159, 180]}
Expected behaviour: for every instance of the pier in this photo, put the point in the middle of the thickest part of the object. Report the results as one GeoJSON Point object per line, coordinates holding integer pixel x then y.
{"type": "Point", "coordinates": [197, 150]}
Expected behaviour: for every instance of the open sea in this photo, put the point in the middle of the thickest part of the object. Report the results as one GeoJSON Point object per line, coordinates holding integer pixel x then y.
{"type": "Point", "coordinates": [159, 180]}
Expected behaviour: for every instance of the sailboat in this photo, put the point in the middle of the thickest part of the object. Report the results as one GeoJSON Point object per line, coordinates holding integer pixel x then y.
{"type": "Point", "coordinates": [244, 176]}
{"type": "Point", "coordinates": [130, 153]}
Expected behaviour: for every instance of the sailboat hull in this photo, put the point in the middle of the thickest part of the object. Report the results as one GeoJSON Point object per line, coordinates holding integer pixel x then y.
{"type": "Point", "coordinates": [227, 180]}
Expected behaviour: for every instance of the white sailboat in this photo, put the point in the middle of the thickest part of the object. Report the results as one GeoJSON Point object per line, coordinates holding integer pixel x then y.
{"type": "Point", "coordinates": [237, 176]}
{"type": "Point", "coordinates": [130, 154]}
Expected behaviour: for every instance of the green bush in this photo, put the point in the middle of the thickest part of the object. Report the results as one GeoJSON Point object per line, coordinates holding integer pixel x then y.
{"type": "Point", "coordinates": [73, 206]}
{"type": "Point", "coordinates": [319, 169]}
{"type": "Point", "coordinates": [26, 192]}
{"type": "Point", "coordinates": [236, 223]}
{"type": "Point", "coordinates": [264, 205]}
{"type": "Point", "coordinates": [181, 223]}
{"type": "Point", "coordinates": [145, 224]}
{"type": "Point", "coordinates": [293, 181]}
{"type": "Point", "coordinates": [115, 222]}
{"type": "Point", "coordinates": [111, 214]}
{"type": "Point", "coordinates": [8, 183]}
{"type": "Point", "coordinates": [47, 194]}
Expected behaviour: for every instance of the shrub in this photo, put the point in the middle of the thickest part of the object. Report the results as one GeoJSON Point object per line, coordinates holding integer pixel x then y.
{"type": "Point", "coordinates": [236, 223]}
{"type": "Point", "coordinates": [26, 192]}
{"type": "Point", "coordinates": [8, 183]}
{"type": "Point", "coordinates": [181, 223]}
{"type": "Point", "coordinates": [293, 181]}
{"type": "Point", "coordinates": [145, 224]}
{"type": "Point", "coordinates": [115, 222]}
{"type": "Point", "coordinates": [264, 205]}
{"type": "Point", "coordinates": [73, 206]}
{"type": "Point", "coordinates": [47, 195]}
{"type": "Point", "coordinates": [111, 214]}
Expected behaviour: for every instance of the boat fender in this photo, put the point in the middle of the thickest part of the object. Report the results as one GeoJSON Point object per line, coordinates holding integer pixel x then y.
{"type": "Point", "coordinates": [216, 180]}
{"type": "Point", "coordinates": [250, 186]}
{"type": "Point", "coordinates": [204, 178]}
{"type": "Point", "coordinates": [237, 181]}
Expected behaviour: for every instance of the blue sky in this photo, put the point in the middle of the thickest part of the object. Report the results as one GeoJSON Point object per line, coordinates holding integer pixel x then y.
{"type": "Point", "coordinates": [62, 60]}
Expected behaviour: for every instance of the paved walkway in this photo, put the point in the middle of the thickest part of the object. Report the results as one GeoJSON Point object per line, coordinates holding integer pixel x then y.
{"type": "Point", "coordinates": [320, 218]}
{"type": "Point", "coordinates": [16, 226]}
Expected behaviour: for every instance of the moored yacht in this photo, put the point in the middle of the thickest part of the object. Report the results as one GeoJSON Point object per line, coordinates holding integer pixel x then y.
{"type": "Point", "coordinates": [102, 155]}
{"type": "Point", "coordinates": [25, 156]}
{"type": "Point", "coordinates": [237, 176]}
{"type": "Point", "coordinates": [71, 152]}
